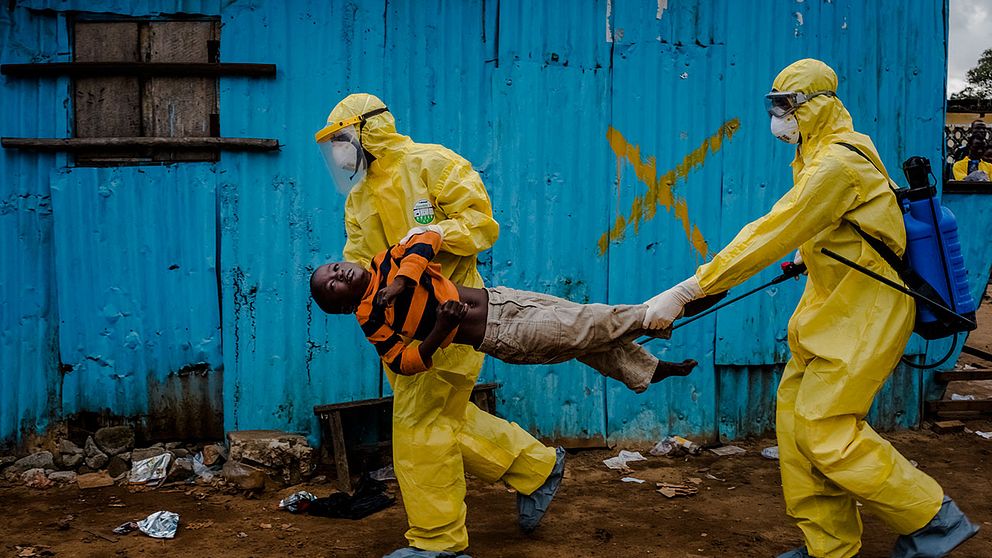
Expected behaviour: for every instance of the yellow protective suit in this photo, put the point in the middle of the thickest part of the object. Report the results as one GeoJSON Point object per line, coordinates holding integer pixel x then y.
{"type": "Point", "coordinates": [846, 335]}
{"type": "Point", "coordinates": [437, 433]}
{"type": "Point", "coordinates": [960, 168]}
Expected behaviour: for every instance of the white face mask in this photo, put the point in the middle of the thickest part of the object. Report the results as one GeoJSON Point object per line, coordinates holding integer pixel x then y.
{"type": "Point", "coordinates": [786, 128]}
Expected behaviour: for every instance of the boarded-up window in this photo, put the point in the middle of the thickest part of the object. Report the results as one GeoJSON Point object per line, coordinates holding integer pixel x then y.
{"type": "Point", "coordinates": [150, 106]}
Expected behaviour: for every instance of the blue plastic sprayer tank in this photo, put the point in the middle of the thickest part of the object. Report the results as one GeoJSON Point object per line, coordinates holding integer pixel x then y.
{"type": "Point", "coordinates": [936, 256]}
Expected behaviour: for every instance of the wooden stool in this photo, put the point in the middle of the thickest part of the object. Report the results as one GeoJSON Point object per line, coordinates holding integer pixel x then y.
{"type": "Point", "coordinates": [332, 425]}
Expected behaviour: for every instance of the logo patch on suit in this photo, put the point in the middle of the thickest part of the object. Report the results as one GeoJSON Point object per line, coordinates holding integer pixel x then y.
{"type": "Point", "coordinates": [423, 212]}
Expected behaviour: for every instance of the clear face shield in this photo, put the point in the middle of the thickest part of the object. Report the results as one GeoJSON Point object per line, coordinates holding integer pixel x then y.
{"type": "Point", "coordinates": [345, 158]}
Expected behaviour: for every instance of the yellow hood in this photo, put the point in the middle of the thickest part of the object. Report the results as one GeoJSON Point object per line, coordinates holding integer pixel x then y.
{"type": "Point", "coordinates": [378, 135]}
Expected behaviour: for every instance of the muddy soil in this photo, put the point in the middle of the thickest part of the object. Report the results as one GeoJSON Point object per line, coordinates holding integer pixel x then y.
{"type": "Point", "coordinates": [738, 512]}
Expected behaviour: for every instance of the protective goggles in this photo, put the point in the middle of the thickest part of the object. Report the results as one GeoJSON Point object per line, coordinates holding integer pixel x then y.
{"type": "Point", "coordinates": [784, 103]}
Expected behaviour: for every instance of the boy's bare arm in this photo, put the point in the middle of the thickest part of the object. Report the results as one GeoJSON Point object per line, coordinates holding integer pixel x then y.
{"type": "Point", "coordinates": [388, 294]}
{"type": "Point", "coordinates": [449, 315]}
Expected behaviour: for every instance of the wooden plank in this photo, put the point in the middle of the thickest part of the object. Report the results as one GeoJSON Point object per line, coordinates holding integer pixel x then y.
{"type": "Point", "coordinates": [106, 106]}
{"type": "Point", "coordinates": [947, 426]}
{"type": "Point", "coordinates": [76, 144]}
{"type": "Point", "coordinates": [973, 351]}
{"type": "Point", "coordinates": [136, 69]}
{"type": "Point", "coordinates": [179, 106]}
{"type": "Point", "coordinates": [336, 430]}
{"type": "Point", "coordinates": [963, 375]}
{"type": "Point", "coordinates": [960, 409]}
{"type": "Point", "coordinates": [487, 388]}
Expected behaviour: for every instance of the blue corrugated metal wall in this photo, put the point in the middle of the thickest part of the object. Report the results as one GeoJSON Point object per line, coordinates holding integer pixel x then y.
{"type": "Point", "coordinates": [622, 142]}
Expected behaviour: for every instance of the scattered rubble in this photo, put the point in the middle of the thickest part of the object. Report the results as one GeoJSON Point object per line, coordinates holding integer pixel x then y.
{"type": "Point", "coordinates": [285, 457]}
{"type": "Point", "coordinates": [95, 458]}
{"type": "Point", "coordinates": [40, 460]}
{"type": "Point", "coordinates": [244, 476]}
{"type": "Point", "coordinates": [113, 440]}
{"type": "Point", "coordinates": [62, 477]}
{"type": "Point", "coordinates": [36, 478]}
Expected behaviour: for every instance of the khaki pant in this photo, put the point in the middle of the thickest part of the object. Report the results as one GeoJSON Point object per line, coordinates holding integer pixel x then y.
{"type": "Point", "coordinates": [533, 328]}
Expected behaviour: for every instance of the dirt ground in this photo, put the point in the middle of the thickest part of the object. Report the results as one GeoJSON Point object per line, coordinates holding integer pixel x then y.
{"type": "Point", "coordinates": [738, 511]}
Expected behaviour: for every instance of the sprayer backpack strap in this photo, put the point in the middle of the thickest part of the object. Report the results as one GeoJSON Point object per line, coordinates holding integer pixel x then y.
{"type": "Point", "coordinates": [908, 275]}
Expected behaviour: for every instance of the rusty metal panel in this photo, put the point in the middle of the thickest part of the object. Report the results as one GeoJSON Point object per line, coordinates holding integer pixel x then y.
{"type": "Point", "coordinates": [134, 8]}
{"type": "Point", "coordinates": [623, 142]}
{"type": "Point", "coordinates": [29, 367]}
{"type": "Point", "coordinates": [551, 83]}
{"type": "Point", "coordinates": [280, 215]}
{"type": "Point", "coordinates": [135, 265]}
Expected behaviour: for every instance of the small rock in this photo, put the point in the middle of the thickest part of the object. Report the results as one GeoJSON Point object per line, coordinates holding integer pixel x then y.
{"type": "Point", "coordinates": [90, 448]}
{"type": "Point", "coordinates": [96, 462]}
{"type": "Point", "coordinates": [180, 452]}
{"type": "Point", "coordinates": [71, 460]}
{"type": "Point", "coordinates": [182, 469]}
{"type": "Point", "coordinates": [115, 439]}
{"type": "Point", "coordinates": [212, 453]}
{"type": "Point", "coordinates": [172, 445]}
{"type": "Point", "coordinates": [40, 460]}
{"type": "Point", "coordinates": [319, 479]}
{"type": "Point", "coordinates": [7, 461]}
{"type": "Point", "coordinates": [63, 477]}
{"type": "Point", "coordinates": [243, 476]}
{"type": "Point", "coordinates": [66, 446]}
{"type": "Point", "coordinates": [85, 470]}
{"type": "Point", "coordinates": [118, 465]}
{"type": "Point", "coordinates": [158, 445]}
{"type": "Point", "coordinates": [65, 523]}
{"type": "Point", "coordinates": [95, 458]}
{"type": "Point", "coordinates": [35, 478]}
{"type": "Point", "coordinates": [144, 453]}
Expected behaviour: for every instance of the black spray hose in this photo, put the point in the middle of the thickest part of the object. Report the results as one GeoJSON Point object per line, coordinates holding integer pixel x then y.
{"type": "Point", "coordinates": [950, 352]}
{"type": "Point", "coordinates": [789, 271]}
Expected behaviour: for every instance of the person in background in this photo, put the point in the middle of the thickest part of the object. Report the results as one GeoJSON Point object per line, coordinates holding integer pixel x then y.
{"type": "Point", "coordinates": [972, 167]}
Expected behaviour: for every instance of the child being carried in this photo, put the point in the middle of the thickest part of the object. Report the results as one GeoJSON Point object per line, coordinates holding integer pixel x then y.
{"type": "Point", "coordinates": [405, 295]}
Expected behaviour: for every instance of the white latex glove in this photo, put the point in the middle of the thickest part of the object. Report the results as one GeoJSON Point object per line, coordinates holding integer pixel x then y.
{"type": "Point", "coordinates": [798, 260]}
{"type": "Point", "coordinates": [664, 308]}
{"type": "Point", "coordinates": [419, 230]}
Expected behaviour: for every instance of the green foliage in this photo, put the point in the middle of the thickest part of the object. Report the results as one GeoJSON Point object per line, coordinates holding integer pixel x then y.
{"type": "Point", "coordinates": [979, 79]}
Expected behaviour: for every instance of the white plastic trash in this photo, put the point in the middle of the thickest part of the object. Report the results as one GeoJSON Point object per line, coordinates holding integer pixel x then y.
{"type": "Point", "coordinates": [152, 470]}
{"type": "Point", "coordinates": [160, 525]}
{"type": "Point", "coordinates": [770, 453]}
{"type": "Point", "coordinates": [624, 457]}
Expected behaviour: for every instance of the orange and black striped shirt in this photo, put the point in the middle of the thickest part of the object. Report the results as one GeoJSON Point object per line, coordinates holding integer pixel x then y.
{"type": "Point", "coordinates": [414, 312]}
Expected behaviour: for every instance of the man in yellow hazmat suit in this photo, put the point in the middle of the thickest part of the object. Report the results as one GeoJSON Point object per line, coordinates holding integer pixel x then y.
{"type": "Point", "coordinates": [397, 187]}
{"type": "Point", "coordinates": [846, 335]}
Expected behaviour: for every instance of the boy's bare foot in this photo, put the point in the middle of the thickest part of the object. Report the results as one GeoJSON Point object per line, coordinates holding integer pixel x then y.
{"type": "Point", "coordinates": [668, 369]}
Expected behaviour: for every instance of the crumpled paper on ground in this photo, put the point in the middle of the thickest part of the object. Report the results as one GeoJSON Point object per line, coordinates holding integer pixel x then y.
{"type": "Point", "coordinates": [623, 458]}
